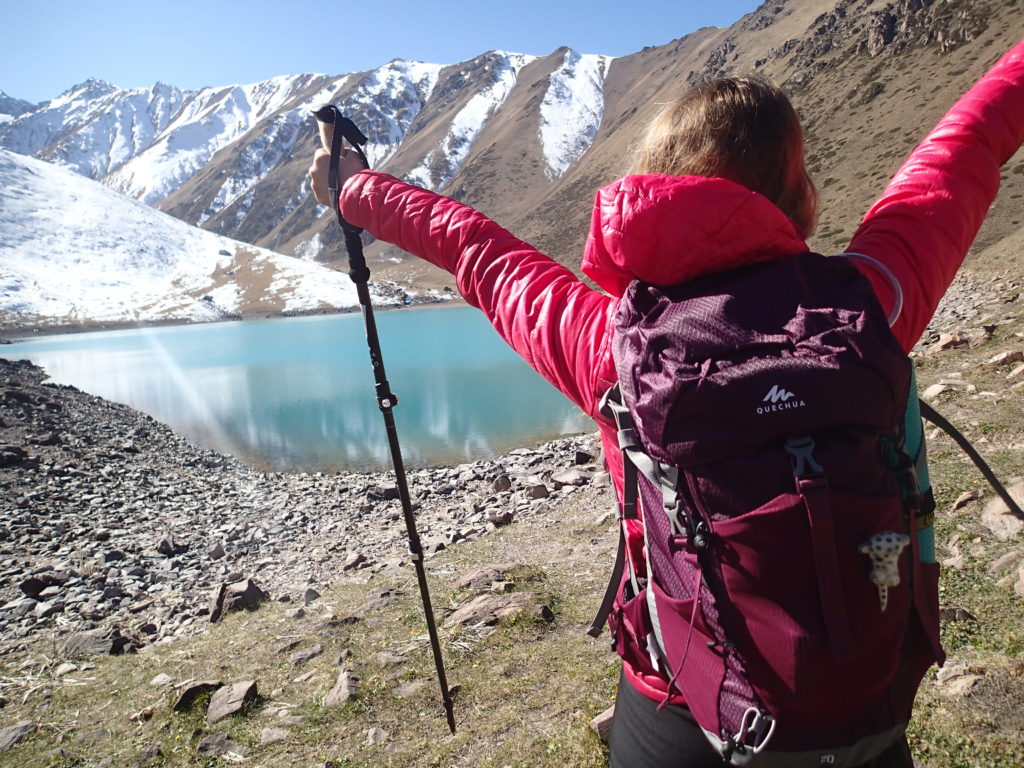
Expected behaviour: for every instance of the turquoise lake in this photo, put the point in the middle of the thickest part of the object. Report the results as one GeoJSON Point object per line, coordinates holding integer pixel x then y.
{"type": "Point", "coordinates": [297, 393]}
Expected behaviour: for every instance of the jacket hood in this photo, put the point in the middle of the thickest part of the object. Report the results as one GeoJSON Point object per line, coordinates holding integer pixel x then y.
{"type": "Point", "coordinates": [668, 229]}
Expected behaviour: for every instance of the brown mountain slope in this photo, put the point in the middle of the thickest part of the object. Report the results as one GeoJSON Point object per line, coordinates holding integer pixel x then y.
{"type": "Point", "coordinates": [869, 80]}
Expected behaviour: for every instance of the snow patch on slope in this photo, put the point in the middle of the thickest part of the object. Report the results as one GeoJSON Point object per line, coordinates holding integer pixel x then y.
{"type": "Point", "coordinates": [572, 109]}
{"type": "Point", "coordinates": [74, 251]}
{"type": "Point", "coordinates": [210, 120]}
{"type": "Point", "coordinates": [441, 164]}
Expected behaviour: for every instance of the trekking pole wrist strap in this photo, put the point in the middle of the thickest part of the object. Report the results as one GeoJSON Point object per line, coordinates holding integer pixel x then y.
{"type": "Point", "coordinates": [345, 130]}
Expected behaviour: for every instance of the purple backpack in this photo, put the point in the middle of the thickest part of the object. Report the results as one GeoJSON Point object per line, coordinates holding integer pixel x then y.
{"type": "Point", "coordinates": [760, 416]}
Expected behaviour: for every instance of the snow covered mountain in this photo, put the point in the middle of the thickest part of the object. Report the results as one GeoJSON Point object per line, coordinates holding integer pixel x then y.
{"type": "Point", "coordinates": [221, 157]}
{"type": "Point", "coordinates": [74, 252]}
{"type": "Point", "coordinates": [11, 107]}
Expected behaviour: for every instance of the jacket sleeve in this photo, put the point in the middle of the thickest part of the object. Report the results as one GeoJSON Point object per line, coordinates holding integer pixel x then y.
{"type": "Point", "coordinates": [556, 322]}
{"type": "Point", "coordinates": [923, 224]}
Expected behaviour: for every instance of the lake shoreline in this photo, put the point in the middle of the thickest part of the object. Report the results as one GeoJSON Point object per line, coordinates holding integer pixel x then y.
{"type": "Point", "coordinates": [110, 519]}
{"type": "Point", "coordinates": [15, 335]}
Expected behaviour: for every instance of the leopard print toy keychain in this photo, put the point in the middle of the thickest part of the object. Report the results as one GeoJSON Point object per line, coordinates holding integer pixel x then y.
{"type": "Point", "coordinates": [885, 549]}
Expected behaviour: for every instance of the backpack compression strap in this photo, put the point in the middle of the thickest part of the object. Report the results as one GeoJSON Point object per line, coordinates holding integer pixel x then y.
{"type": "Point", "coordinates": [611, 405]}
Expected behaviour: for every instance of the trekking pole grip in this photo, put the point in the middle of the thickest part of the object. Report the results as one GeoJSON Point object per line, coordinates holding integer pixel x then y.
{"type": "Point", "coordinates": [335, 129]}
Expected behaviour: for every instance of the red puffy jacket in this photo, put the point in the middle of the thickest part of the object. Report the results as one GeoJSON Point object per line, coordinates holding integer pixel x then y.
{"type": "Point", "coordinates": [667, 229]}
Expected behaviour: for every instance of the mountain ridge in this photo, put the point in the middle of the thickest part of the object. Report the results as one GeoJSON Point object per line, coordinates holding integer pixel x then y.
{"type": "Point", "coordinates": [868, 77]}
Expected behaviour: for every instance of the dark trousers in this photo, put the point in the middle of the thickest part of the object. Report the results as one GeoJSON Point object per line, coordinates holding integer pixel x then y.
{"type": "Point", "coordinates": [643, 737]}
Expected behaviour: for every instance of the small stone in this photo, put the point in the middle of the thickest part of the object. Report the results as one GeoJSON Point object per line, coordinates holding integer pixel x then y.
{"type": "Point", "coordinates": [1006, 562]}
{"type": "Point", "coordinates": [501, 483]}
{"type": "Point", "coordinates": [376, 736]}
{"type": "Point", "coordinates": [310, 595]}
{"type": "Point", "coordinates": [602, 724]}
{"type": "Point", "coordinates": [353, 561]}
{"type": "Point", "coordinates": [65, 669]}
{"type": "Point", "coordinates": [242, 594]}
{"type": "Point", "coordinates": [295, 613]}
{"type": "Point", "coordinates": [568, 477]}
{"type": "Point", "coordinates": [150, 752]}
{"type": "Point", "coordinates": [345, 687]}
{"type": "Point", "coordinates": [161, 681]}
{"type": "Point", "coordinates": [933, 391]}
{"type": "Point", "coordinates": [483, 578]}
{"type": "Point", "coordinates": [409, 689]}
{"type": "Point", "coordinates": [537, 491]}
{"type": "Point", "coordinates": [389, 659]}
{"type": "Point", "coordinates": [270, 735]}
{"type": "Point", "coordinates": [502, 518]}
{"type": "Point", "coordinates": [305, 655]}
{"type": "Point", "coordinates": [218, 744]}
{"type": "Point", "coordinates": [964, 499]}
{"type": "Point", "coordinates": [998, 518]}
{"type": "Point", "coordinates": [13, 734]}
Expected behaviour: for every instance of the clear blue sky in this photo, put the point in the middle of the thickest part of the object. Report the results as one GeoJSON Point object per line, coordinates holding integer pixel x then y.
{"type": "Point", "coordinates": [46, 46]}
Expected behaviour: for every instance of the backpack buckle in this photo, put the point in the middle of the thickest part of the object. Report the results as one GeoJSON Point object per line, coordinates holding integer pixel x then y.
{"type": "Point", "coordinates": [804, 464]}
{"type": "Point", "coordinates": [755, 724]}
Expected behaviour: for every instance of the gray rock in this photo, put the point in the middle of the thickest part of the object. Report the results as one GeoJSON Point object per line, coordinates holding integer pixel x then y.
{"type": "Point", "coordinates": [230, 700]}
{"type": "Point", "coordinates": [345, 687]}
{"type": "Point", "coordinates": [537, 491]}
{"type": "Point", "coordinates": [491, 608]}
{"type": "Point", "coordinates": [13, 734]}
{"type": "Point", "coordinates": [376, 736]}
{"type": "Point", "coordinates": [271, 735]}
{"type": "Point", "coordinates": [408, 689]}
{"type": "Point", "coordinates": [169, 547]}
{"type": "Point", "coordinates": [602, 724]}
{"type": "Point", "coordinates": [501, 518]}
{"type": "Point", "coordinates": [150, 752]}
{"type": "Point", "coordinates": [305, 655]}
{"type": "Point", "coordinates": [998, 518]}
{"type": "Point", "coordinates": [189, 692]}
{"type": "Point", "coordinates": [218, 744]}
{"type": "Point", "coordinates": [161, 681]}
{"type": "Point", "coordinates": [389, 659]}
{"type": "Point", "coordinates": [353, 561]}
{"type": "Point", "coordinates": [98, 642]}
{"type": "Point", "coordinates": [245, 594]}
{"type": "Point", "coordinates": [571, 476]}
{"type": "Point", "coordinates": [484, 577]}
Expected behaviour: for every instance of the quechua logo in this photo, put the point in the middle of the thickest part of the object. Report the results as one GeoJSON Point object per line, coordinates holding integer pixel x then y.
{"type": "Point", "coordinates": [779, 399]}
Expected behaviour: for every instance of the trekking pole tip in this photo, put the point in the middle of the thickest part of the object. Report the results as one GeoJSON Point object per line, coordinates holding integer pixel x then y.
{"type": "Point", "coordinates": [448, 710]}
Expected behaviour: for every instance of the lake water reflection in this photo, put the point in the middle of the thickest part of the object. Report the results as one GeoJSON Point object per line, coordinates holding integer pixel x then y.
{"type": "Point", "coordinates": [297, 393]}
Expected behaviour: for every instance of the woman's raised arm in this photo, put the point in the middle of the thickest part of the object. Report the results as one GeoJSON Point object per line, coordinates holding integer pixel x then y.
{"type": "Point", "coordinates": [923, 224]}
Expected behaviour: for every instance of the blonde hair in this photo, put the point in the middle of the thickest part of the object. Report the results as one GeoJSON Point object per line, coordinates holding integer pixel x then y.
{"type": "Point", "coordinates": [743, 129]}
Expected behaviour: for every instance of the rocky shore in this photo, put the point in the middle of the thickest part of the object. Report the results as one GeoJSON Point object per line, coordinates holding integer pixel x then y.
{"type": "Point", "coordinates": [110, 521]}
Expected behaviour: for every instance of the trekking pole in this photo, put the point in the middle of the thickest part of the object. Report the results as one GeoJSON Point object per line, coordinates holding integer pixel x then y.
{"type": "Point", "coordinates": [334, 127]}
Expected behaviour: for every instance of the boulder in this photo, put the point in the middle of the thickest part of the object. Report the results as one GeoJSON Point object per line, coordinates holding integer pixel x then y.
{"type": "Point", "coordinates": [245, 594]}
{"type": "Point", "coordinates": [230, 700]}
